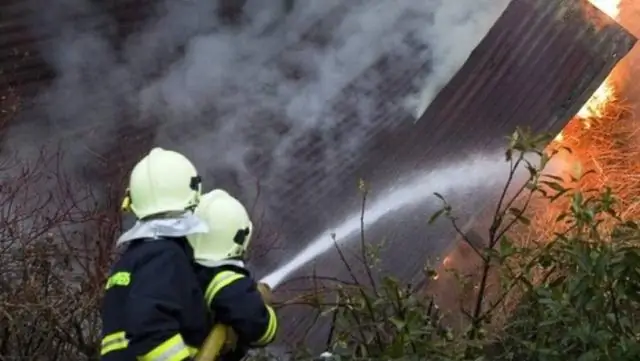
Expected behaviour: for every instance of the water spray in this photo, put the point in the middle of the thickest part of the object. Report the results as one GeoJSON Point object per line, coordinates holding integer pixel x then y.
{"type": "Point", "coordinates": [474, 173]}
{"type": "Point", "coordinates": [486, 171]}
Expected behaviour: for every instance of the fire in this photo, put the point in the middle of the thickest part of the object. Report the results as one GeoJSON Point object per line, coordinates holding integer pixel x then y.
{"type": "Point", "coordinates": [609, 7]}
{"type": "Point", "coordinates": [604, 94]}
{"type": "Point", "coordinates": [597, 104]}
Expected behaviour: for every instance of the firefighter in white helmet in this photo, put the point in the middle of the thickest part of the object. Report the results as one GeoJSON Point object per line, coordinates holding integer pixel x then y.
{"type": "Point", "coordinates": [232, 295]}
{"type": "Point", "coordinates": [153, 309]}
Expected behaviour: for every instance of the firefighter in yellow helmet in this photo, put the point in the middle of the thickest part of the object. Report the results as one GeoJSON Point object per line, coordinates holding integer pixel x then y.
{"type": "Point", "coordinates": [232, 295]}
{"type": "Point", "coordinates": [153, 308]}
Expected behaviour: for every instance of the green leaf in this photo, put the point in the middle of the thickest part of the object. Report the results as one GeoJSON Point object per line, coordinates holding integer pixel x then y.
{"type": "Point", "coordinates": [554, 185]}
{"type": "Point", "coordinates": [518, 213]}
{"type": "Point", "coordinates": [508, 155]}
{"type": "Point", "coordinates": [397, 322]}
{"type": "Point", "coordinates": [434, 217]}
{"type": "Point", "coordinates": [506, 247]}
{"type": "Point", "coordinates": [562, 217]}
{"type": "Point", "coordinates": [440, 196]}
{"type": "Point", "coordinates": [558, 195]}
{"type": "Point", "coordinates": [554, 177]}
{"type": "Point", "coordinates": [591, 355]}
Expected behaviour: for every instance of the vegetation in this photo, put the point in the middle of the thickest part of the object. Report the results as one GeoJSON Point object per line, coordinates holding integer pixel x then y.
{"type": "Point", "coordinates": [573, 294]}
{"type": "Point", "coordinates": [55, 247]}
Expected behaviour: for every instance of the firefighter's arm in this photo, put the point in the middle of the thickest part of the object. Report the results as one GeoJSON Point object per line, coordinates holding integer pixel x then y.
{"type": "Point", "coordinates": [236, 302]}
{"type": "Point", "coordinates": [156, 306]}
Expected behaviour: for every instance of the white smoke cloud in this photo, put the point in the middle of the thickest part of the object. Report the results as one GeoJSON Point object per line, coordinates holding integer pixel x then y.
{"type": "Point", "coordinates": [458, 28]}
{"type": "Point", "coordinates": [225, 94]}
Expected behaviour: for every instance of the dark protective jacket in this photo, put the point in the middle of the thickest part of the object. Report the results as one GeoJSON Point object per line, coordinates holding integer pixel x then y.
{"type": "Point", "coordinates": [153, 307]}
{"type": "Point", "coordinates": [234, 300]}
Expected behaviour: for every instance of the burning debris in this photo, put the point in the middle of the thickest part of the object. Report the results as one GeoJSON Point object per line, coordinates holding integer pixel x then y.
{"type": "Point", "coordinates": [605, 95]}
{"type": "Point", "coordinates": [603, 139]}
{"type": "Point", "coordinates": [609, 7]}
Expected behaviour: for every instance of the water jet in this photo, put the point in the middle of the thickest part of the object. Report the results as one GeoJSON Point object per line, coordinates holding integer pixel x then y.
{"type": "Point", "coordinates": [487, 171]}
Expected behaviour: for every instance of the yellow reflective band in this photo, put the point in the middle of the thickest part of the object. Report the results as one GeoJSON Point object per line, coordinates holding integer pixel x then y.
{"type": "Point", "coordinates": [192, 350]}
{"type": "Point", "coordinates": [220, 281]}
{"type": "Point", "coordinates": [121, 279]}
{"type": "Point", "coordinates": [272, 328]}
{"type": "Point", "coordinates": [114, 342]}
{"type": "Point", "coordinates": [125, 206]}
{"type": "Point", "coordinates": [173, 349]}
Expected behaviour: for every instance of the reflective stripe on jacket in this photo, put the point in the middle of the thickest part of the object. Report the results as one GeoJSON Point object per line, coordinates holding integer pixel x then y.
{"type": "Point", "coordinates": [153, 307]}
{"type": "Point", "coordinates": [234, 300]}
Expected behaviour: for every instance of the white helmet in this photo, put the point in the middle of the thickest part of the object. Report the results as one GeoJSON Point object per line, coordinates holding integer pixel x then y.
{"type": "Point", "coordinates": [163, 181]}
{"type": "Point", "coordinates": [229, 228]}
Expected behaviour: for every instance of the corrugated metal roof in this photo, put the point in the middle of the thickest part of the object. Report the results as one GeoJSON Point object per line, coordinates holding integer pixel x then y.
{"type": "Point", "coordinates": [537, 65]}
{"type": "Point", "coordinates": [20, 61]}
{"type": "Point", "coordinates": [24, 72]}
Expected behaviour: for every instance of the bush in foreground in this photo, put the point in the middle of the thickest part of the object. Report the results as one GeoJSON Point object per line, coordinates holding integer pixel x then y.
{"type": "Point", "coordinates": [572, 296]}
{"type": "Point", "coordinates": [55, 246]}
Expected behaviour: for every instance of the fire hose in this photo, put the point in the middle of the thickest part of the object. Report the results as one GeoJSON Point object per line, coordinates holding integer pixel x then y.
{"type": "Point", "coordinates": [222, 336]}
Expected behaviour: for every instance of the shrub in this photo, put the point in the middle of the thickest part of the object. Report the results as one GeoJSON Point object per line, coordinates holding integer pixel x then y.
{"type": "Point", "coordinates": [55, 245]}
{"type": "Point", "coordinates": [571, 296]}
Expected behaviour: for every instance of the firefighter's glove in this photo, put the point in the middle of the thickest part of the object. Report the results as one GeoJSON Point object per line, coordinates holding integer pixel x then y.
{"type": "Point", "coordinates": [265, 292]}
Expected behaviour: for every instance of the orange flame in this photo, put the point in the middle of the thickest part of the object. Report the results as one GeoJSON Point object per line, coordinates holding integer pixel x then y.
{"type": "Point", "coordinates": [597, 104]}
{"type": "Point", "coordinates": [609, 7]}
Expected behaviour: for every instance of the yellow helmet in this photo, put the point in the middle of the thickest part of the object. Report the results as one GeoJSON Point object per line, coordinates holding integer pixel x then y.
{"type": "Point", "coordinates": [163, 181]}
{"type": "Point", "coordinates": [230, 228]}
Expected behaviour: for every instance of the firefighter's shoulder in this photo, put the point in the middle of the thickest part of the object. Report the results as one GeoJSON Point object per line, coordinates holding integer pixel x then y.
{"type": "Point", "coordinates": [151, 251]}
{"type": "Point", "coordinates": [160, 254]}
{"type": "Point", "coordinates": [216, 279]}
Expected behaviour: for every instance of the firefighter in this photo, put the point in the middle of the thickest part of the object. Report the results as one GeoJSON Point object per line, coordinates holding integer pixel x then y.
{"type": "Point", "coordinates": [233, 296]}
{"type": "Point", "coordinates": [153, 307]}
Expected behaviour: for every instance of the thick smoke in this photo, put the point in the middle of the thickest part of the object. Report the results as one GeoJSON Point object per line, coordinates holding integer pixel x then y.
{"type": "Point", "coordinates": [225, 95]}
